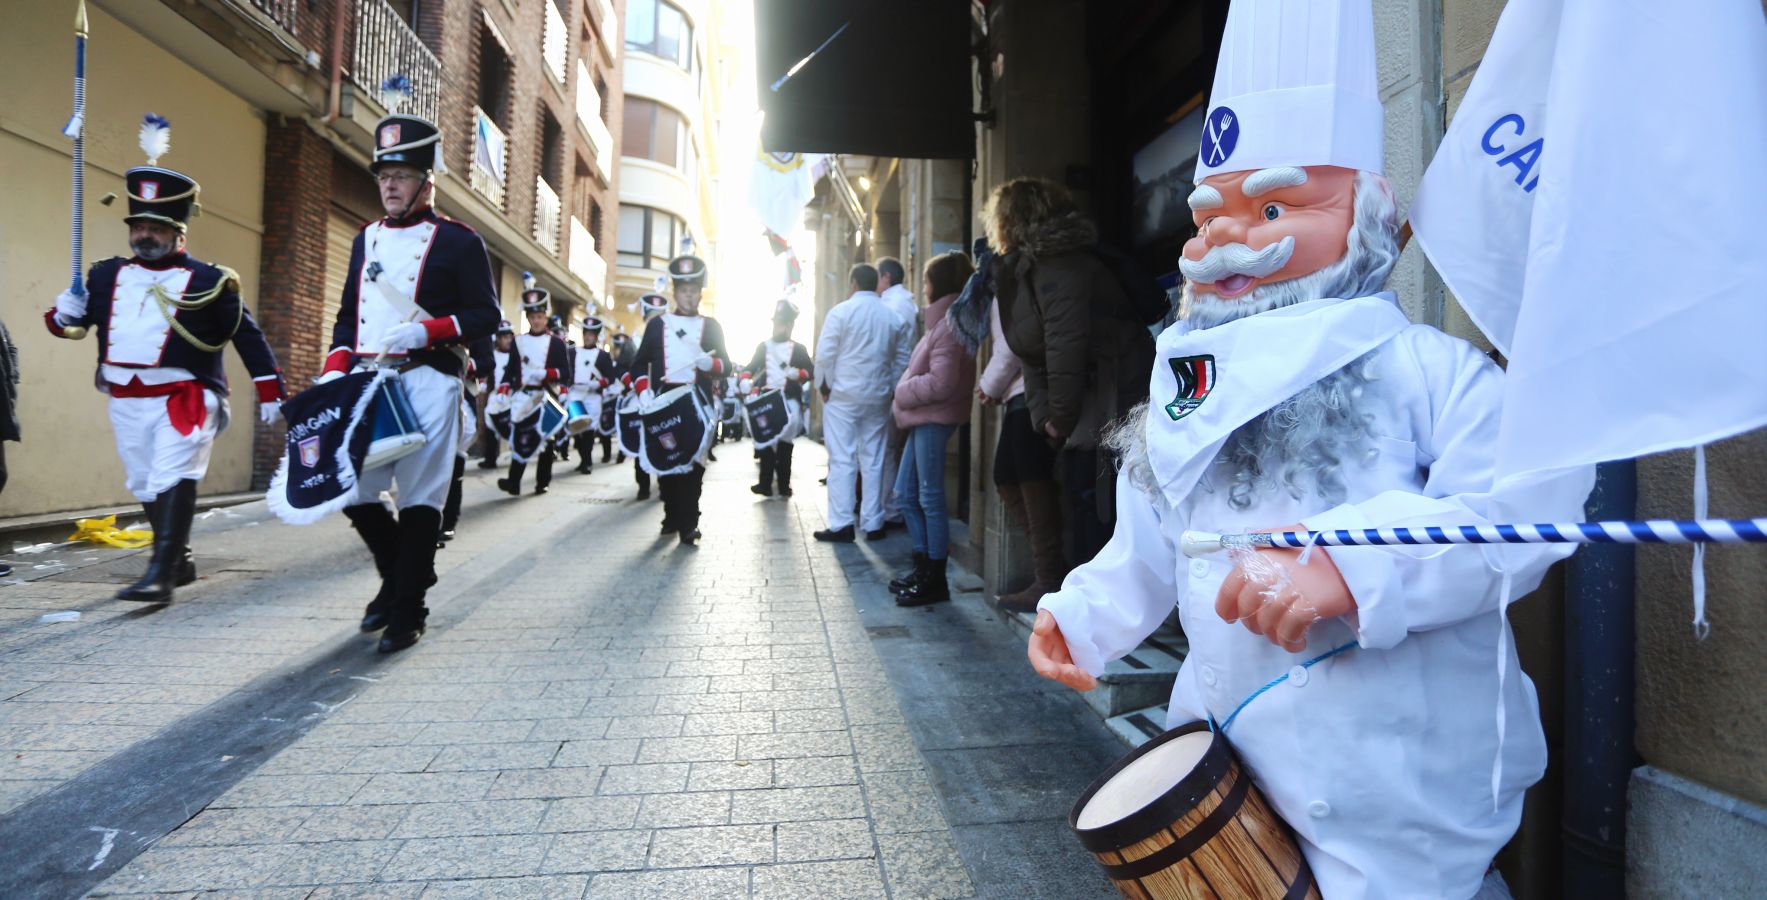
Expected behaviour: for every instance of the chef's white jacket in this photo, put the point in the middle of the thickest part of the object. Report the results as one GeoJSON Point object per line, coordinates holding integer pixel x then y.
{"type": "Point", "coordinates": [863, 350]}
{"type": "Point", "coordinates": [1381, 758]}
{"type": "Point", "coordinates": [900, 300]}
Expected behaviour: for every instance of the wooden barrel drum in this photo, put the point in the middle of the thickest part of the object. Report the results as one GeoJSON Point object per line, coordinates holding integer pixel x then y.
{"type": "Point", "coordinates": [1179, 818]}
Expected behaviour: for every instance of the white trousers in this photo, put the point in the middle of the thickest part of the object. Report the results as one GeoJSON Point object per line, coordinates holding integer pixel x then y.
{"type": "Point", "coordinates": [155, 456]}
{"type": "Point", "coordinates": [422, 477]}
{"type": "Point", "coordinates": [854, 434]}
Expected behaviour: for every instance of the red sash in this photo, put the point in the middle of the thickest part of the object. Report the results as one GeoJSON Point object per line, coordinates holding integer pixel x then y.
{"type": "Point", "coordinates": [185, 404]}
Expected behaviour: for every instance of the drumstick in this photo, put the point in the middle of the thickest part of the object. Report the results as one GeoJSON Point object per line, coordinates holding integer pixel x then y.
{"type": "Point", "coordinates": [1652, 531]}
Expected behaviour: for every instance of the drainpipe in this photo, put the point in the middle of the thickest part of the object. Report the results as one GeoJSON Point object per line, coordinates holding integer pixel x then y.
{"type": "Point", "coordinates": [340, 11]}
{"type": "Point", "coordinates": [1599, 755]}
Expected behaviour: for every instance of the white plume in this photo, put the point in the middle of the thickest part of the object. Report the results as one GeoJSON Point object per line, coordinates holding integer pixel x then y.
{"type": "Point", "coordinates": [528, 281]}
{"type": "Point", "coordinates": [156, 138]}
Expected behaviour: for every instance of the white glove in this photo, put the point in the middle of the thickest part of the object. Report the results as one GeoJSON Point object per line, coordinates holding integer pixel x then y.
{"type": "Point", "coordinates": [267, 412]}
{"type": "Point", "coordinates": [705, 362]}
{"type": "Point", "coordinates": [533, 377]}
{"type": "Point", "coordinates": [69, 308]}
{"type": "Point", "coordinates": [327, 377]}
{"type": "Point", "coordinates": [791, 375]}
{"type": "Point", "coordinates": [405, 336]}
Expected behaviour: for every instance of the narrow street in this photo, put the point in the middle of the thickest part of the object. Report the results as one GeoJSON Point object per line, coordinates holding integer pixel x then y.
{"type": "Point", "coordinates": [595, 711]}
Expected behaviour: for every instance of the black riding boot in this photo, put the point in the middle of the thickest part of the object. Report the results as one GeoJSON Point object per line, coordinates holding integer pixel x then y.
{"type": "Point", "coordinates": [173, 509]}
{"type": "Point", "coordinates": [512, 483]}
{"type": "Point", "coordinates": [413, 573]}
{"type": "Point", "coordinates": [543, 475]}
{"type": "Point", "coordinates": [451, 509]}
{"type": "Point", "coordinates": [380, 531]}
{"type": "Point", "coordinates": [782, 467]}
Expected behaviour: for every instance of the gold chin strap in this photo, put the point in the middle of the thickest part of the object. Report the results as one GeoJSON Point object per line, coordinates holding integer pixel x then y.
{"type": "Point", "coordinates": [170, 306]}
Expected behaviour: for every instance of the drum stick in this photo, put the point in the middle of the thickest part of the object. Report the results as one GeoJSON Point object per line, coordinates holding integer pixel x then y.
{"type": "Point", "coordinates": [1653, 531]}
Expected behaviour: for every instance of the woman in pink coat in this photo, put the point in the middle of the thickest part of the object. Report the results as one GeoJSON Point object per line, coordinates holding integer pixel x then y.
{"type": "Point", "coordinates": [932, 399]}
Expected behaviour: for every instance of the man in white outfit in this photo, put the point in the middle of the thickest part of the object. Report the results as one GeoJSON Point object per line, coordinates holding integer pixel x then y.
{"type": "Point", "coordinates": [892, 287]}
{"type": "Point", "coordinates": [1372, 693]}
{"type": "Point", "coordinates": [862, 351]}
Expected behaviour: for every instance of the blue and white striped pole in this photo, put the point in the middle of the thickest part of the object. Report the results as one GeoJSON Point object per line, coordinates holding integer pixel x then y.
{"type": "Point", "coordinates": [76, 129]}
{"type": "Point", "coordinates": [1654, 531]}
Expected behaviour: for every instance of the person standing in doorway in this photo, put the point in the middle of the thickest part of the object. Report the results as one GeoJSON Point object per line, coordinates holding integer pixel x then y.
{"type": "Point", "coordinates": [863, 350]}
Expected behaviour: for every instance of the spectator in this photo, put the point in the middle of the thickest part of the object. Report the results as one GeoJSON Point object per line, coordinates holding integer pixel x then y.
{"type": "Point", "coordinates": [892, 286]}
{"type": "Point", "coordinates": [8, 407]}
{"type": "Point", "coordinates": [1067, 319]}
{"type": "Point", "coordinates": [861, 352]}
{"type": "Point", "coordinates": [932, 399]}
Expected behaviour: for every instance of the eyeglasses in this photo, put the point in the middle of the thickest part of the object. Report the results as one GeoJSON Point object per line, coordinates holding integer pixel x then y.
{"type": "Point", "coordinates": [396, 178]}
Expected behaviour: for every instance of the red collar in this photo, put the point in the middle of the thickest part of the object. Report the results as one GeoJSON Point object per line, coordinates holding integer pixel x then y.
{"type": "Point", "coordinates": [169, 261]}
{"type": "Point", "coordinates": [416, 217]}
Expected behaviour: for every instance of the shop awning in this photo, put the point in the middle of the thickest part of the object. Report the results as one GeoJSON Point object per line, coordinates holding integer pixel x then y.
{"type": "Point", "coordinates": [892, 80]}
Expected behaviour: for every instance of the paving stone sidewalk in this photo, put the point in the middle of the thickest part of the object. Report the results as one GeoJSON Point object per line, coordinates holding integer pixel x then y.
{"type": "Point", "coordinates": [597, 712]}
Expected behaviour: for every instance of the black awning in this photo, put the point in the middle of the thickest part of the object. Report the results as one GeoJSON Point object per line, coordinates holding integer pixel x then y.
{"type": "Point", "coordinates": [893, 81]}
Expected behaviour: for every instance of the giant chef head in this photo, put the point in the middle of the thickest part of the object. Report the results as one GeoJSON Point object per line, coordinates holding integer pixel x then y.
{"type": "Point", "coordinates": [1290, 204]}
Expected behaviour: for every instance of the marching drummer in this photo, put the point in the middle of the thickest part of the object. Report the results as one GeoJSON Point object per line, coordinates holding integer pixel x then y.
{"type": "Point", "coordinates": [779, 363]}
{"type": "Point", "coordinates": [683, 348]}
{"type": "Point", "coordinates": [419, 291]}
{"type": "Point", "coordinates": [493, 404]}
{"type": "Point", "coordinates": [163, 318]}
{"type": "Point", "coordinates": [537, 367]}
{"type": "Point", "coordinates": [650, 306]}
{"type": "Point", "coordinates": [561, 439]}
{"type": "Point", "coordinates": [592, 370]}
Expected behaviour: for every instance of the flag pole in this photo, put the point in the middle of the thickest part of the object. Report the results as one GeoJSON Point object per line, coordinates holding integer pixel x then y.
{"type": "Point", "coordinates": [76, 129]}
{"type": "Point", "coordinates": [1653, 531]}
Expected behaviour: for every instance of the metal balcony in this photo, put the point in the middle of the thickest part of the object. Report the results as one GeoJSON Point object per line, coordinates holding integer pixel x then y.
{"type": "Point", "coordinates": [386, 46]}
{"type": "Point", "coordinates": [282, 12]}
{"type": "Point", "coordinates": [586, 262]}
{"type": "Point", "coordinates": [489, 155]}
{"type": "Point", "coordinates": [546, 215]}
{"type": "Point", "coordinates": [601, 141]}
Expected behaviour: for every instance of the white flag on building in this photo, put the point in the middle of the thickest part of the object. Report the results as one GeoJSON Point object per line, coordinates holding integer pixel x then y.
{"type": "Point", "coordinates": [780, 187]}
{"type": "Point", "coordinates": [1597, 207]}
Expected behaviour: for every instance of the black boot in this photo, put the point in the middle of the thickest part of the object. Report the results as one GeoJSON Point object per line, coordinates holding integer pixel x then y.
{"type": "Point", "coordinates": [512, 484]}
{"type": "Point", "coordinates": [380, 532]}
{"type": "Point", "coordinates": [413, 573]}
{"type": "Point", "coordinates": [911, 577]}
{"type": "Point", "coordinates": [931, 588]}
{"type": "Point", "coordinates": [173, 509]}
{"type": "Point", "coordinates": [782, 467]}
{"type": "Point", "coordinates": [451, 509]}
{"type": "Point", "coordinates": [184, 567]}
{"type": "Point", "coordinates": [543, 474]}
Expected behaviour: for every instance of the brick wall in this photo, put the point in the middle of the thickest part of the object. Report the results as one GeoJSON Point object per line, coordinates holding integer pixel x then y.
{"type": "Point", "coordinates": [291, 294]}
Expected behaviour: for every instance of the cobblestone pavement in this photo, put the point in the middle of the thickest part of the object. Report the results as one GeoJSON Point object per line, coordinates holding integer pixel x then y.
{"type": "Point", "coordinates": [596, 711]}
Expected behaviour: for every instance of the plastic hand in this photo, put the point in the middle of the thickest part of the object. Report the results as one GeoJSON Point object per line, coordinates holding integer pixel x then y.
{"type": "Point", "coordinates": [1273, 595]}
{"type": "Point", "coordinates": [268, 412]}
{"type": "Point", "coordinates": [69, 308]}
{"type": "Point", "coordinates": [705, 362]}
{"type": "Point", "coordinates": [1048, 652]}
{"type": "Point", "coordinates": [328, 376]}
{"type": "Point", "coordinates": [405, 336]}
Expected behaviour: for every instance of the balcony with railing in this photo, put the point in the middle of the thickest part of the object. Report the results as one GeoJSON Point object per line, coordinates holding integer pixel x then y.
{"type": "Point", "coordinates": [489, 153]}
{"type": "Point", "coordinates": [601, 141]}
{"type": "Point", "coordinates": [611, 37]}
{"type": "Point", "coordinates": [585, 261]}
{"type": "Point", "coordinates": [386, 46]}
{"type": "Point", "coordinates": [554, 42]}
{"type": "Point", "coordinates": [282, 12]}
{"type": "Point", "coordinates": [546, 214]}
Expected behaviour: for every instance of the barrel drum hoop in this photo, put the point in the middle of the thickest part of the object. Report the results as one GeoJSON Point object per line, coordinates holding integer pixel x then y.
{"type": "Point", "coordinates": [1164, 810]}
{"type": "Point", "coordinates": [1303, 887]}
{"type": "Point", "coordinates": [1190, 841]}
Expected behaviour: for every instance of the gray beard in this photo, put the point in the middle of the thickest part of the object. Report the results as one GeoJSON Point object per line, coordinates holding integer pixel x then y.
{"type": "Point", "coordinates": [151, 250]}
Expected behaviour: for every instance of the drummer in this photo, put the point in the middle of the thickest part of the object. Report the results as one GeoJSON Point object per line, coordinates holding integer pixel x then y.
{"type": "Point", "coordinates": [592, 370]}
{"type": "Point", "coordinates": [779, 362]}
{"type": "Point", "coordinates": [683, 348]}
{"type": "Point", "coordinates": [536, 369]}
{"type": "Point", "coordinates": [650, 306]}
{"type": "Point", "coordinates": [419, 288]}
{"type": "Point", "coordinates": [561, 439]}
{"type": "Point", "coordinates": [495, 406]}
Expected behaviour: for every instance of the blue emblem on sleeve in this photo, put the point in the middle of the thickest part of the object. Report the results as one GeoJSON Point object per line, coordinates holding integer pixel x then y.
{"type": "Point", "coordinates": [1220, 136]}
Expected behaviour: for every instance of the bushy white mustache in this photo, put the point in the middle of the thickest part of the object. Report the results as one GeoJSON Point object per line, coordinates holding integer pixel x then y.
{"type": "Point", "coordinates": [1237, 259]}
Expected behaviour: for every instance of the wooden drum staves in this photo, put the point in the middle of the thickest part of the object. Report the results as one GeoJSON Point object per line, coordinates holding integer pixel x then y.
{"type": "Point", "coordinates": [1179, 818]}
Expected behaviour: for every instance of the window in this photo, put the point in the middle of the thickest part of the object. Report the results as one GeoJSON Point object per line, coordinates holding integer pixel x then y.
{"type": "Point", "coordinates": [655, 132]}
{"type": "Point", "coordinates": [494, 77]}
{"type": "Point", "coordinates": [660, 29]}
{"type": "Point", "coordinates": [551, 150]}
{"type": "Point", "coordinates": [648, 238]}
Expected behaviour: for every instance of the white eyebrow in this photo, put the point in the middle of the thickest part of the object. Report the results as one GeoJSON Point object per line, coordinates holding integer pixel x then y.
{"type": "Point", "coordinates": [1205, 197]}
{"type": "Point", "coordinates": [1264, 181]}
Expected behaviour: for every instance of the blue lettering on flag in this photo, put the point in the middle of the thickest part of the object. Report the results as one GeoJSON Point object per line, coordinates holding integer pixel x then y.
{"type": "Point", "coordinates": [1523, 160]}
{"type": "Point", "coordinates": [1220, 136]}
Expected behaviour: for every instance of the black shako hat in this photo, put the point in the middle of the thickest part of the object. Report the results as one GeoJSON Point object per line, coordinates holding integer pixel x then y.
{"type": "Point", "coordinates": [410, 140]}
{"type": "Point", "coordinates": [687, 269]}
{"type": "Point", "coordinates": [534, 297]}
{"type": "Point", "coordinates": [785, 311]}
{"type": "Point", "coordinates": [155, 193]}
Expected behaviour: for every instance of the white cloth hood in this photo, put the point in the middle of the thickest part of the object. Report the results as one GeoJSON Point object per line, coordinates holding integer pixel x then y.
{"type": "Point", "coordinates": [1295, 85]}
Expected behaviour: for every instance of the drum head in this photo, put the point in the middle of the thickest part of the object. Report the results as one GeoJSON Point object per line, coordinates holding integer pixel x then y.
{"type": "Point", "coordinates": [1146, 778]}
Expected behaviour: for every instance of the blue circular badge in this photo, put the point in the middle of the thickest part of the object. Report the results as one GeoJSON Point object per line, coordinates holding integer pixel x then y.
{"type": "Point", "coordinates": [1220, 136]}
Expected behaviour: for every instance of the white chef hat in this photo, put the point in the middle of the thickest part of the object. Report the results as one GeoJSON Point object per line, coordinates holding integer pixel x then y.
{"type": "Point", "coordinates": [1295, 86]}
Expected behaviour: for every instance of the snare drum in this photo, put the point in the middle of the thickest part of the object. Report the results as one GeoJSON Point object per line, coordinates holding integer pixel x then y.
{"type": "Point", "coordinates": [396, 432]}
{"type": "Point", "coordinates": [552, 415]}
{"type": "Point", "coordinates": [1179, 818]}
{"type": "Point", "coordinates": [577, 417]}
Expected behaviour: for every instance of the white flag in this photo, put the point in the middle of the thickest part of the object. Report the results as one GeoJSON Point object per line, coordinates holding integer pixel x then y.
{"type": "Point", "coordinates": [1597, 207]}
{"type": "Point", "coordinates": [780, 187]}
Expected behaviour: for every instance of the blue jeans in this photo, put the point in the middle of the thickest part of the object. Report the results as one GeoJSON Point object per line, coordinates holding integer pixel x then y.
{"type": "Point", "coordinates": [920, 489]}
